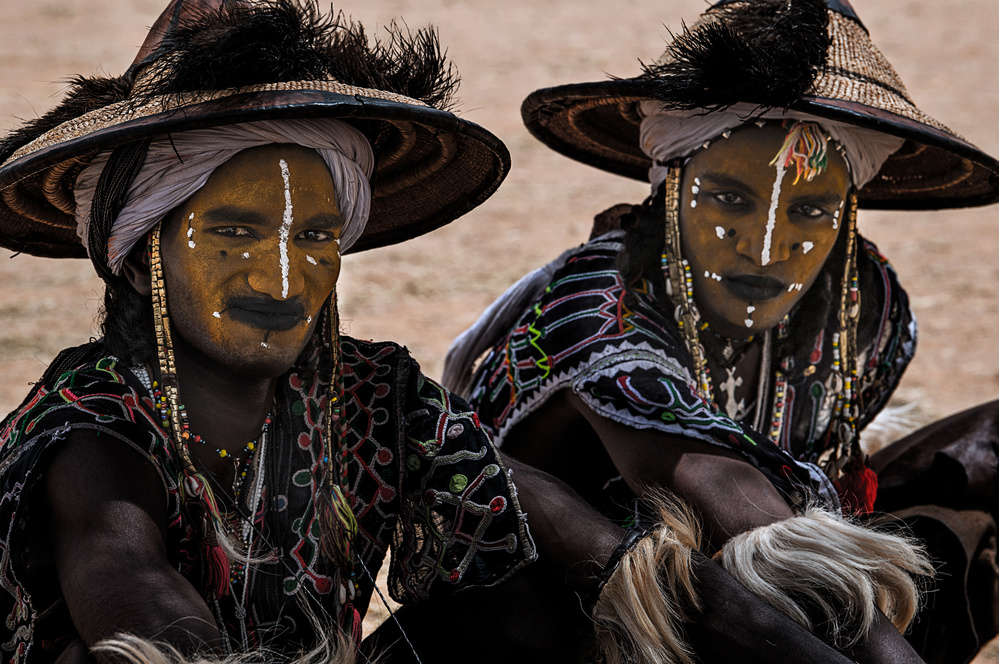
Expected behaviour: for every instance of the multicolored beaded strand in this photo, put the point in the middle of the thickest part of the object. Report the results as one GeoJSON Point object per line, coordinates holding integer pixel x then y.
{"type": "Point", "coordinates": [680, 279]}
{"type": "Point", "coordinates": [202, 507]}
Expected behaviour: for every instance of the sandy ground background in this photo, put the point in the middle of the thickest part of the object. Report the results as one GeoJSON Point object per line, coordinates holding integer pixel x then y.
{"type": "Point", "coordinates": [424, 292]}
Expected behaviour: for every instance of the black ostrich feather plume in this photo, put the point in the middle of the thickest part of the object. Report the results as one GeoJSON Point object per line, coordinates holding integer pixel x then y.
{"type": "Point", "coordinates": [242, 44]}
{"type": "Point", "coordinates": [764, 52]}
{"type": "Point", "coordinates": [276, 41]}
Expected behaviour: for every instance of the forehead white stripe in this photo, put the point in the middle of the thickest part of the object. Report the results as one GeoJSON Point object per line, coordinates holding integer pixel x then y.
{"type": "Point", "coordinates": [285, 230]}
{"type": "Point", "coordinates": [772, 215]}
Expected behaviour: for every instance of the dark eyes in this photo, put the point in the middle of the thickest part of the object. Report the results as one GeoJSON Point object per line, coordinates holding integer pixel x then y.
{"type": "Point", "coordinates": [734, 200]}
{"type": "Point", "coordinates": [316, 236]}
{"type": "Point", "coordinates": [729, 198]}
{"type": "Point", "coordinates": [233, 231]}
{"type": "Point", "coordinates": [311, 235]}
{"type": "Point", "coordinates": [809, 211]}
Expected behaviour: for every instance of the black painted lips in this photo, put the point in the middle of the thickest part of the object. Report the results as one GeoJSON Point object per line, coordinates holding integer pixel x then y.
{"type": "Point", "coordinates": [266, 313]}
{"type": "Point", "coordinates": [753, 288]}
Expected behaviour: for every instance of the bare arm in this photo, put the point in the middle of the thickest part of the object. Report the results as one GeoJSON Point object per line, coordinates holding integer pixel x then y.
{"type": "Point", "coordinates": [730, 494]}
{"type": "Point", "coordinates": [106, 519]}
{"type": "Point", "coordinates": [734, 623]}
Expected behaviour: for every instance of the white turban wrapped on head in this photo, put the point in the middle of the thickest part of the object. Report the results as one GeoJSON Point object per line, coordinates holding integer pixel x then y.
{"type": "Point", "coordinates": [178, 165]}
{"type": "Point", "coordinates": [667, 135]}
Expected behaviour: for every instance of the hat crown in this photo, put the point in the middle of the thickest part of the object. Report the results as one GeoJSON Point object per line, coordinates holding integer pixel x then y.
{"type": "Point", "coordinates": [839, 6]}
{"type": "Point", "coordinates": [177, 12]}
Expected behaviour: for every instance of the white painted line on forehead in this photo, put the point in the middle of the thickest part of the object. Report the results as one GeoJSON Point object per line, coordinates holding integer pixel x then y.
{"type": "Point", "coordinates": [285, 231]}
{"type": "Point", "coordinates": [772, 215]}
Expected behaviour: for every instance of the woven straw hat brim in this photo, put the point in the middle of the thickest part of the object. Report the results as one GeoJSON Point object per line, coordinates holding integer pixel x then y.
{"type": "Point", "coordinates": [431, 167]}
{"type": "Point", "coordinates": [598, 124]}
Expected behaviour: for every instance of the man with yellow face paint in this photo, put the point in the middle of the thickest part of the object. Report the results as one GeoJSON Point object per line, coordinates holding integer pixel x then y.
{"type": "Point", "coordinates": [731, 338]}
{"type": "Point", "coordinates": [223, 472]}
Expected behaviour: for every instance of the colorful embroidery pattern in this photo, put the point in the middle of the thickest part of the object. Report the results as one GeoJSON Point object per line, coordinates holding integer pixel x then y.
{"type": "Point", "coordinates": [409, 440]}
{"type": "Point", "coordinates": [630, 364]}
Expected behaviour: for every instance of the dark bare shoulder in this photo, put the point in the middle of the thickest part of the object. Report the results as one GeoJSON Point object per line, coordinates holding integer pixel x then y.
{"type": "Point", "coordinates": [105, 519]}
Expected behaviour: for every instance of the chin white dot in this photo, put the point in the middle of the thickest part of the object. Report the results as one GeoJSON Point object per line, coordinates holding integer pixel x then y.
{"type": "Point", "coordinates": [693, 203]}
{"type": "Point", "coordinates": [807, 246]}
{"type": "Point", "coordinates": [697, 181]}
{"type": "Point", "coordinates": [720, 232]}
{"type": "Point", "coordinates": [749, 322]}
{"type": "Point", "coordinates": [707, 274]}
{"type": "Point", "coordinates": [798, 286]}
{"type": "Point", "coordinates": [217, 314]}
{"type": "Point", "coordinates": [695, 189]}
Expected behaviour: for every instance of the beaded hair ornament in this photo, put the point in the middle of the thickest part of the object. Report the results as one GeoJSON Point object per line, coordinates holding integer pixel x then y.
{"type": "Point", "coordinates": [336, 518]}
{"type": "Point", "coordinates": [806, 149]}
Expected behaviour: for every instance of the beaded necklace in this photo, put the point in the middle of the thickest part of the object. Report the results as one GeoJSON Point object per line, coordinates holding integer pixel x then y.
{"type": "Point", "coordinates": [241, 460]}
{"type": "Point", "coordinates": [844, 441]}
{"type": "Point", "coordinates": [338, 524]}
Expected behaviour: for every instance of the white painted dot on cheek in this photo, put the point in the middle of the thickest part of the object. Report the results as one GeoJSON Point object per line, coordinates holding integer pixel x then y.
{"type": "Point", "coordinates": [750, 309]}
{"type": "Point", "coordinates": [798, 286]}
{"type": "Point", "coordinates": [246, 254]}
{"type": "Point", "coordinates": [217, 314]}
{"type": "Point", "coordinates": [190, 232]}
{"type": "Point", "coordinates": [309, 321]}
{"type": "Point", "coordinates": [693, 203]}
{"type": "Point", "coordinates": [310, 259]}
{"type": "Point", "coordinates": [807, 246]}
{"type": "Point", "coordinates": [720, 232]}
{"type": "Point", "coordinates": [263, 344]}
{"type": "Point", "coordinates": [285, 231]}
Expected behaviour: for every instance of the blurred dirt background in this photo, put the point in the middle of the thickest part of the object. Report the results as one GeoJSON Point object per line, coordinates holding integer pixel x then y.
{"type": "Point", "coordinates": [424, 292]}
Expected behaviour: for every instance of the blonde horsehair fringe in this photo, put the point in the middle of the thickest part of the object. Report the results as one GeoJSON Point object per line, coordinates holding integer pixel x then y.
{"type": "Point", "coordinates": [829, 574]}
{"type": "Point", "coordinates": [128, 649]}
{"type": "Point", "coordinates": [640, 613]}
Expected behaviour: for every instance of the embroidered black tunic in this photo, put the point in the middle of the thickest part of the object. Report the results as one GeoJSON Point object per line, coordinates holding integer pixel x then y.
{"type": "Point", "coordinates": [424, 479]}
{"type": "Point", "coordinates": [630, 364]}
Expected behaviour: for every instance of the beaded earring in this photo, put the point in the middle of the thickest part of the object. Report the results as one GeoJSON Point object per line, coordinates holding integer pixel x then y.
{"type": "Point", "coordinates": [337, 517]}
{"type": "Point", "coordinates": [679, 287]}
{"type": "Point", "coordinates": [843, 430]}
{"type": "Point", "coordinates": [679, 283]}
{"type": "Point", "coordinates": [196, 493]}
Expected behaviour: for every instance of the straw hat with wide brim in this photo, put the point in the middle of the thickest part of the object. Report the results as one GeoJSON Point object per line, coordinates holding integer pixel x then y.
{"type": "Point", "coordinates": [216, 62]}
{"type": "Point", "coordinates": [813, 56]}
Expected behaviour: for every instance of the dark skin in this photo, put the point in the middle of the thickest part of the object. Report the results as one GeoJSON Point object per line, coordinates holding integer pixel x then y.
{"type": "Point", "coordinates": [727, 199]}
{"type": "Point", "coordinates": [107, 535]}
{"type": "Point", "coordinates": [106, 504]}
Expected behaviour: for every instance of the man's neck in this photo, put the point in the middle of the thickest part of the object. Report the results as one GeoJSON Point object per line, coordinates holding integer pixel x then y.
{"type": "Point", "coordinates": [226, 409]}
